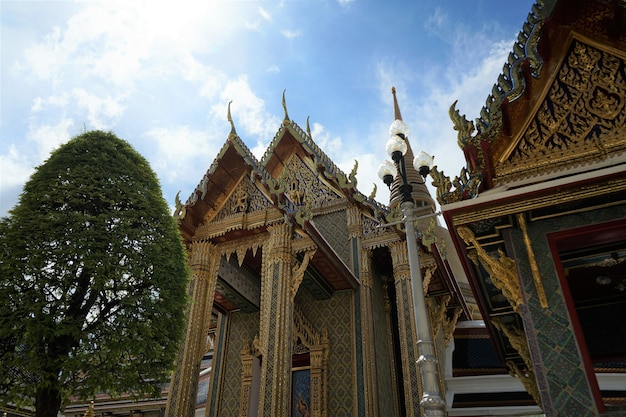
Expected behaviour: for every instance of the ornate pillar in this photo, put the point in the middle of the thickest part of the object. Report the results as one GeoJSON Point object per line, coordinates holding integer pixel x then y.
{"type": "Point", "coordinates": [249, 394]}
{"type": "Point", "coordinates": [319, 358]}
{"type": "Point", "coordinates": [276, 323]}
{"type": "Point", "coordinates": [389, 326]}
{"type": "Point", "coordinates": [406, 325]}
{"type": "Point", "coordinates": [204, 262]}
{"type": "Point", "coordinates": [368, 338]}
{"type": "Point", "coordinates": [247, 360]}
{"type": "Point", "coordinates": [361, 267]}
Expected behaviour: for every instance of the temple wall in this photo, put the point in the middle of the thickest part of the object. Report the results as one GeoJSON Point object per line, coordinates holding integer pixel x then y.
{"type": "Point", "coordinates": [332, 227]}
{"type": "Point", "coordinates": [242, 328]}
{"type": "Point", "coordinates": [557, 359]}
{"type": "Point", "coordinates": [336, 316]}
{"type": "Point", "coordinates": [385, 371]}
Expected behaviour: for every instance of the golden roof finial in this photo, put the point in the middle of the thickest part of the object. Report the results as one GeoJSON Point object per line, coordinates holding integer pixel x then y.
{"type": "Point", "coordinates": [286, 119]}
{"type": "Point", "coordinates": [233, 132]}
{"type": "Point", "coordinates": [396, 109]}
{"type": "Point", "coordinates": [89, 412]}
{"type": "Point", "coordinates": [308, 128]}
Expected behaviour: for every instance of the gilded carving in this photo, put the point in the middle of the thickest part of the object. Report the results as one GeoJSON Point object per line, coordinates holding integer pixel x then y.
{"type": "Point", "coordinates": [308, 339]}
{"type": "Point", "coordinates": [180, 210]}
{"type": "Point", "coordinates": [461, 125]}
{"type": "Point", "coordinates": [517, 338]}
{"type": "Point", "coordinates": [578, 118]}
{"type": "Point", "coordinates": [429, 271]}
{"type": "Point", "coordinates": [372, 195]}
{"type": "Point", "coordinates": [276, 318]}
{"type": "Point", "coordinates": [502, 271]}
{"type": "Point", "coordinates": [350, 181]}
{"type": "Point", "coordinates": [400, 260]}
{"type": "Point", "coordinates": [354, 222]}
{"type": "Point", "coordinates": [200, 257]}
{"type": "Point", "coordinates": [441, 320]}
{"type": "Point", "coordinates": [240, 247]}
{"type": "Point", "coordinates": [371, 228]}
{"type": "Point", "coordinates": [450, 324]}
{"type": "Point", "coordinates": [534, 268]}
{"type": "Point", "coordinates": [444, 186]}
{"type": "Point", "coordinates": [527, 378]}
{"type": "Point", "coordinates": [428, 236]}
{"type": "Point", "coordinates": [204, 262]}
{"type": "Point", "coordinates": [299, 270]}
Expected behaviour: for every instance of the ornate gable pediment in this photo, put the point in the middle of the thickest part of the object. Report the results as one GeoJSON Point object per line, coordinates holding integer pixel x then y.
{"type": "Point", "coordinates": [246, 208]}
{"type": "Point", "coordinates": [580, 119]}
{"type": "Point", "coordinates": [303, 187]}
{"type": "Point", "coordinates": [245, 198]}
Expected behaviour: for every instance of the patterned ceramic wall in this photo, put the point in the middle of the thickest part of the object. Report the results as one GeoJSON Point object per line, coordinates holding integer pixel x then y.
{"type": "Point", "coordinates": [335, 315]}
{"type": "Point", "coordinates": [242, 328]}
{"type": "Point", "coordinates": [332, 227]}
{"type": "Point", "coordinates": [385, 384]}
{"type": "Point", "coordinates": [551, 331]}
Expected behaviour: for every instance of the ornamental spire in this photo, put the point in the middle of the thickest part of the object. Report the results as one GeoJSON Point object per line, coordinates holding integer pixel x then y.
{"type": "Point", "coordinates": [423, 201]}
{"type": "Point", "coordinates": [396, 109]}
{"type": "Point", "coordinates": [308, 128]}
{"type": "Point", "coordinates": [286, 119]}
{"type": "Point", "coordinates": [233, 132]}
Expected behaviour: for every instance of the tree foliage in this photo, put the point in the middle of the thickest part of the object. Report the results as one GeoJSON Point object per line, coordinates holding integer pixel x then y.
{"type": "Point", "coordinates": [93, 278]}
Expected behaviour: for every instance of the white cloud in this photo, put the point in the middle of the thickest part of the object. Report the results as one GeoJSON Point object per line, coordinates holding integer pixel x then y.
{"type": "Point", "coordinates": [274, 69]}
{"type": "Point", "coordinates": [438, 23]}
{"type": "Point", "coordinates": [264, 14]}
{"type": "Point", "coordinates": [181, 153]}
{"type": "Point", "coordinates": [50, 137]}
{"type": "Point", "coordinates": [332, 146]}
{"type": "Point", "coordinates": [15, 168]}
{"type": "Point", "coordinates": [248, 111]}
{"type": "Point", "coordinates": [345, 3]}
{"type": "Point", "coordinates": [102, 112]}
{"type": "Point", "coordinates": [291, 34]}
{"type": "Point", "coordinates": [211, 80]}
{"type": "Point", "coordinates": [430, 127]}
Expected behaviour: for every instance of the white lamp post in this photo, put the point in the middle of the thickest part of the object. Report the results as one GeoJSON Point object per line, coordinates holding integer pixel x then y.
{"type": "Point", "coordinates": [431, 401]}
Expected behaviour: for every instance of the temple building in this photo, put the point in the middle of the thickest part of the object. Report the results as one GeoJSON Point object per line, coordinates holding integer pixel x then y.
{"type": "Point", "coordinates": [538, 215]}
{"type": "Point", "coordinates": [301, 298]}
{"type": "Point", "coordinates": [301, 286]}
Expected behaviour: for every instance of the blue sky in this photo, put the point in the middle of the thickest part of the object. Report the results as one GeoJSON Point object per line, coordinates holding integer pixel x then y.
{"type": "Point", "coordinates": [160, 74]}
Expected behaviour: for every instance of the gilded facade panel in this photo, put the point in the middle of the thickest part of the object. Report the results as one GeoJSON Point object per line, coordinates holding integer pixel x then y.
{"type": "Point", "coordinates": [580, 118]}
{"type": "Point", "coordinates": [242, 329]}
{"type": "Point", "coordinates": [335, 315]}
{"type": "Point", "coordinates": [333, 227]}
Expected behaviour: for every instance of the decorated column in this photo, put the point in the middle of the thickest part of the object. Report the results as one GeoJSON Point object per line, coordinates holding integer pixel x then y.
{"type": "Point", "coordinates": [204, 262]}
{"type": "Point", "coordinates": [406, 324]}
{"type": "Point", "coordinates": [361, 267]}
{"type": "Point", "coordinates": [276, 323]}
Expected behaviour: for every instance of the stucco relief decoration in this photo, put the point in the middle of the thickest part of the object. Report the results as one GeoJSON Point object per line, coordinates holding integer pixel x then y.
{"type": "Point", "coordinates": [577, 119]}
{"type": "Point", "coordinates": [304, 187]}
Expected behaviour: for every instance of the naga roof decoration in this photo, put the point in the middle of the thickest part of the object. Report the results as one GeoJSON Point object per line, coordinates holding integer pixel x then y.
{"type": "Point", "coordinates": [544, 116]}
{"type": "Point", "coordinates": [509, 87]}
{"type": "Point", "coordinates": [511, 82]}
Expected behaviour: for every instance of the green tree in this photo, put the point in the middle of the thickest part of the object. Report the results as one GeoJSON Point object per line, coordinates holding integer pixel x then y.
{"type": "Point", "coordinates": [93, 279]}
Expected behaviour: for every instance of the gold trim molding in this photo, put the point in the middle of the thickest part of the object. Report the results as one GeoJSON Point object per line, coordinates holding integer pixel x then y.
{"type": "Point", "coordinates": [502, 271]}
{"type": "Point", "coordinates": [532, 260]}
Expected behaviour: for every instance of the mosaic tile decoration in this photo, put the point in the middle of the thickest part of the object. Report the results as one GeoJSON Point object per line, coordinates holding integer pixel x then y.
{"type": "Point", "coordinates": [217, 363]}
{"type": "Point", "coordinates": [384, 383]}
{"type": "Point", "coordinates": [242, 328]}
{"type": "Point", "coordinates": [335, 316]}
{"type": "Point", "coordinates": [549, 330]}
{"type": "Point", "coordinates": [404, 293]}
{"type": "Point", "coordinates": [333, 227]}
